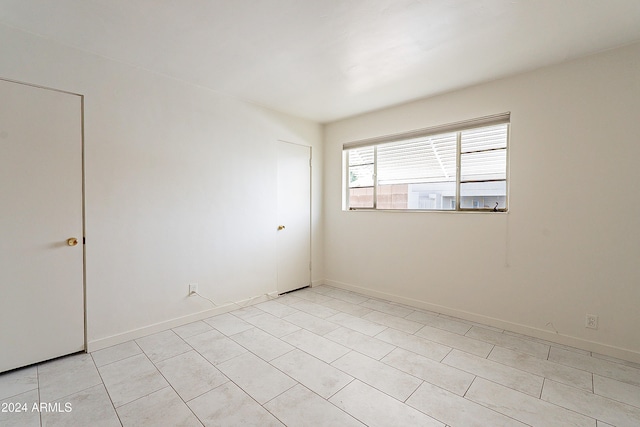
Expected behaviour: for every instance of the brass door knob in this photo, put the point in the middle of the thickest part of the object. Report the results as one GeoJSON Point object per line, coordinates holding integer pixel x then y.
{"type": "Point", "coordinates": [281, 227]}
{"type": "Point", "coordinates": [72, 241]}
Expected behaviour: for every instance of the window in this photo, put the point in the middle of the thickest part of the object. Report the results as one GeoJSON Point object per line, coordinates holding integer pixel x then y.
{"type": "Point", "coordinates": [462, 166]}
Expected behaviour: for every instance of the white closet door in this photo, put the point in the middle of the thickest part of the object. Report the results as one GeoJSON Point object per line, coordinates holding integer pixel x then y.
{"type": "Point", "coordinates": [294, 216]}
{"type": "Point", "coordinates": [41, 270]}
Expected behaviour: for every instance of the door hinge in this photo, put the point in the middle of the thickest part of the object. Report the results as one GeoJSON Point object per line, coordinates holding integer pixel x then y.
{"type": "Point", "coordinates": [83, 240]}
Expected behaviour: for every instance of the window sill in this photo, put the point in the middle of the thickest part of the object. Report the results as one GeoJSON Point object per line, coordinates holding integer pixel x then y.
{"type": "Point", "coordinates": [442, 211]}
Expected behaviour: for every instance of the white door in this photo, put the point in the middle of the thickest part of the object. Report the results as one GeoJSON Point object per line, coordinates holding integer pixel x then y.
{"type": "Point", "coordinates": [294, 217]}
{"type": "Point", "coordinates": [41, 272]}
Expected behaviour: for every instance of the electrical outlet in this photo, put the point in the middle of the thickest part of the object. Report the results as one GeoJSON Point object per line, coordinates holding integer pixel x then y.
{"type": "Point", "coordinates": [591, 321]}
{"type": "Point", "coordinates": [193, 288]}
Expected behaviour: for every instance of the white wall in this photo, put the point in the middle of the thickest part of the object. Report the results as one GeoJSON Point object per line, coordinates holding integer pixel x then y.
{"type": "Point", "coordinates": [180, 188]}
{"type": "Point", "coordinates": [556, 255]}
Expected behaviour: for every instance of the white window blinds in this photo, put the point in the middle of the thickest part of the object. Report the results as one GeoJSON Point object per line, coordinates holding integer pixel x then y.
{"type": "Point", "coordinates": [483, 154]}
{"type": "Point", "coordinates": [418, 160]}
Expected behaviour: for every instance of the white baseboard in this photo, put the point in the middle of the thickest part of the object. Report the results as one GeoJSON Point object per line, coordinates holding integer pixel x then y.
{"type": "Point", "coordinates": [604, 349]}
{"type": "Point", "coordinates": [100, 343]}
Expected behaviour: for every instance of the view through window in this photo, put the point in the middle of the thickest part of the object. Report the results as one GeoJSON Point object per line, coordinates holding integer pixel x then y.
{"type": "Point", "coordinates": [454, 167]}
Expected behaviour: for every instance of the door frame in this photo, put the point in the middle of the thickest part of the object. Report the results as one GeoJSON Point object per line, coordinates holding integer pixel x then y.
{"type": "Point", "coordinates": [82, 196]}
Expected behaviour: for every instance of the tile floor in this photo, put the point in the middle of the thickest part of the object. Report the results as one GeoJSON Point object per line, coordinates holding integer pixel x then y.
{"type": "Point", "coordinates": [327, 357]}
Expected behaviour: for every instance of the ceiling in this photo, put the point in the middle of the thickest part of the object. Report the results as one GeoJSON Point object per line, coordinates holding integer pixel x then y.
{"type": "Point", "coordinates": [329, 59]}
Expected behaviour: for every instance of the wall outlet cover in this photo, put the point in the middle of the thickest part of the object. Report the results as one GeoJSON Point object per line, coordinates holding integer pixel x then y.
{"type": "Point", "coordinates": [591, 321]}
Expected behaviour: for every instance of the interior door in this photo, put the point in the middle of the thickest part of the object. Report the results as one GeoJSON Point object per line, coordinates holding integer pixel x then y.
{"type": "Point", "coordinates": [294, 217]}
{"type": "Point", "coordinates": [41, 266]}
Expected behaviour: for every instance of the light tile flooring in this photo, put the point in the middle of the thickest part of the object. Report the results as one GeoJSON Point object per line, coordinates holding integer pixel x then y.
{"type": "Point", "coordinates": [327, 357]}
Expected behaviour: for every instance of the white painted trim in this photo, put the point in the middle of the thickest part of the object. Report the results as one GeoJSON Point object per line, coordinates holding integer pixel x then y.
{"type": "Point", "coordinates": [101, 343]}
{"type": "Point", "coordinates": [604, 349]}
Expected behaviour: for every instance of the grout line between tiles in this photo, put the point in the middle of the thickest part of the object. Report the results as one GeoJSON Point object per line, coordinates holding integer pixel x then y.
{"type": "Point", "coordinates": [113, 406]}
{"type": "Point", "coordinates": [38, 382]}
{"type": "Point", "coordinates": [470, 384]}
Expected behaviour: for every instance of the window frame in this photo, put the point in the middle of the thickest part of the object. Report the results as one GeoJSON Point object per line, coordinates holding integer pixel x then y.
{"type": "Point", "coordinates": [458, 128]}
